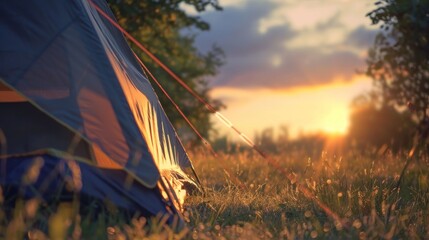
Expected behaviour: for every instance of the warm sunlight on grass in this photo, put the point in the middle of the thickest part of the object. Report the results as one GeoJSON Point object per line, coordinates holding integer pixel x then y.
{"type": "Point", "coordinates": [246, 198]}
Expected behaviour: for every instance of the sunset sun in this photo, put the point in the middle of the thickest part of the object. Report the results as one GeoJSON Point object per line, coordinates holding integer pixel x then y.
{"type": "Point", "coordinates": [336, 121]}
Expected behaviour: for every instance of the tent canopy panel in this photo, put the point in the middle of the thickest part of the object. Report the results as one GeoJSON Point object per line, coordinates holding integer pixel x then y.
{"type": "Point", "coordinates": [74, 65]}
{"type": "Point", "coordinates": [27, 129]}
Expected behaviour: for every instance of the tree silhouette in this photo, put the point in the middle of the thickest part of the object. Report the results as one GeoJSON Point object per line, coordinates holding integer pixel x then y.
{"type": "Point", "coordinates": [399, 59]}
{"type": "Point", "coordinates": [373, 126]}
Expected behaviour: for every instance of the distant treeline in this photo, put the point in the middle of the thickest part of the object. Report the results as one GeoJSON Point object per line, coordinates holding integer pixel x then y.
{"type": "Point", "coordinates": [373, 129]}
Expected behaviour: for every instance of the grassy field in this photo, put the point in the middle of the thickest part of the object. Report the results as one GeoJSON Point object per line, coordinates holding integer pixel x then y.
{"type": "Point", "coordinates": [249, 199]}
{"type": "Point", "coordinates": [246, 198]}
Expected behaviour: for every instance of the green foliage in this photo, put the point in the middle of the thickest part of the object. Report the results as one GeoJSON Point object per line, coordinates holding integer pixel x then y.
{"type": "Point", "coordinates": [159, 26]}
{"type": "Point", "coordinates": [399, 59]}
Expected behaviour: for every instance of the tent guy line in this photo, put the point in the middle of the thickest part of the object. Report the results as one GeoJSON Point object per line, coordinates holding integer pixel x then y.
{"type": "Point", "coordinates": [206, 143]}
{"type": "Point", "coordinates": [171, 73]}
{"type": "Point", "coordinates": [209, 146]}
{"type": "Point", "coordinates": [291, 176]}
{"type": "Point", "coordinates": [222, 118]}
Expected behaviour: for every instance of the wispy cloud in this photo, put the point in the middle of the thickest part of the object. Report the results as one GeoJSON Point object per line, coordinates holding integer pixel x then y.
{"type": "Point", "coordinates": [362, 37]}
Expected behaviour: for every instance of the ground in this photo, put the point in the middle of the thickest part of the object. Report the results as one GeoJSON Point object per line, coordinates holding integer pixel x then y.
{"type": "Point", "coordinates": [245, 197]}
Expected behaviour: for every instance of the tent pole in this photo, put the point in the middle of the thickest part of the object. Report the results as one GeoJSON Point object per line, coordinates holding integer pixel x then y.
{"type": "Point", "coordinates": [171, 197]}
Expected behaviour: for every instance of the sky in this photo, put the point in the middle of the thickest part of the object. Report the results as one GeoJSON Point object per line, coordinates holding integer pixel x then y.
{"type": "Point", "coordinates": [293, 63]}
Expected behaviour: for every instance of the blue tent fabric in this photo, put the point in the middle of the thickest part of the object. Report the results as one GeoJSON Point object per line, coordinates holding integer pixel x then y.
{"type": "Point", "coordinates": [68, 63]}
{"type": "Point", "coordinates": [74, 65]}
{"type": "Point", "coordinates": [27, 129]}
{"type": "Point", "coordinates": [55, 173]}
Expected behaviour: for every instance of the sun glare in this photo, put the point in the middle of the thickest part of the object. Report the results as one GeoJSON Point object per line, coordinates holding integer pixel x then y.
{"type": "Point", "coordinates": [304, 110]}
{"type": "Point", "coordinates": [336, 121]}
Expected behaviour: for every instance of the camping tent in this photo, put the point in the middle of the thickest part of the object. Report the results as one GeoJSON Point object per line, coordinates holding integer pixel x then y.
{"type": "Point", "coordinates": [76, 106]}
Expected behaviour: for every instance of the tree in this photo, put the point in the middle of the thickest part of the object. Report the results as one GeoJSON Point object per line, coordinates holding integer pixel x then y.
{"type": "Point", "coordinates": [159, 25]}
{"type": "Point", "coordinates": [265, 140]}
{"type": "Point", "coordinates": [399, 60]}
{"type": "Point", "coordinates": [372, 126]}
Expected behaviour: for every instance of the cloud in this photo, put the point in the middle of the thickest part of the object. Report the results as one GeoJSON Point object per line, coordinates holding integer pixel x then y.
{"type": "Point", "coordinates": [237, 28]}
{"type": "Point", "coordinates": [298, 68]}
{"type": "Point", "coordinates": [332, 22]}
{"type": "Point", "coordinates": [362, 37]}
{"type": "Point", "coordinates": [229, 3]}
{"type": "Point", "coordinates": [280, 55]}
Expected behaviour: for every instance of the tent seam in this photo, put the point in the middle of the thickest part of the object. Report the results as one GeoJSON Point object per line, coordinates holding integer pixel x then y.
{"type": "Point", "coordinates": [37, 57]}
